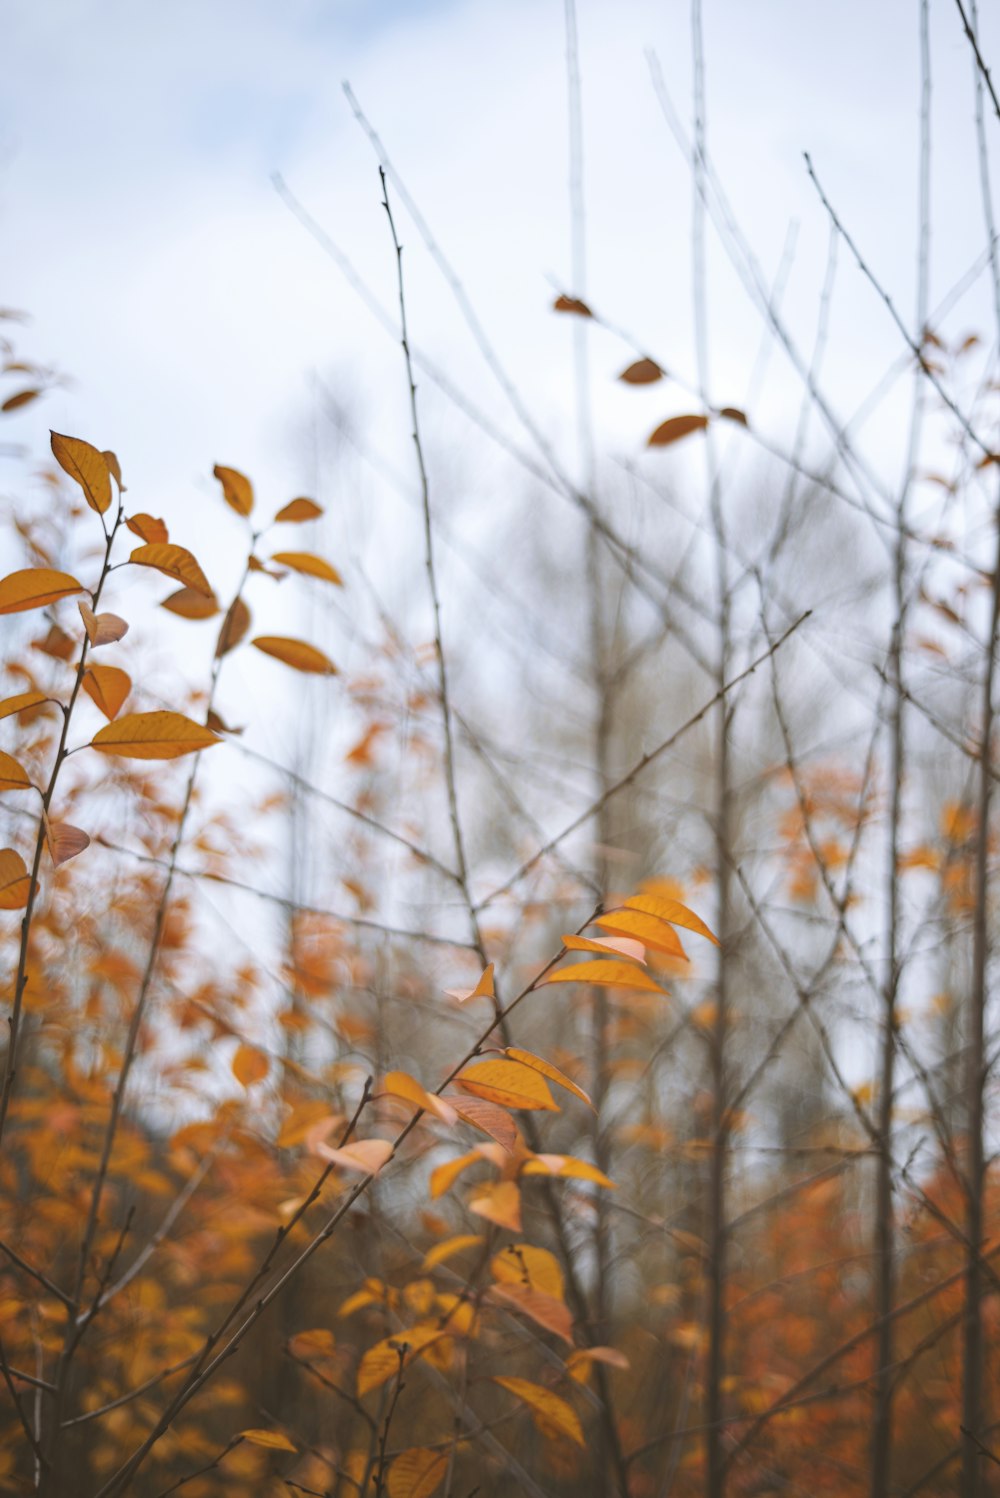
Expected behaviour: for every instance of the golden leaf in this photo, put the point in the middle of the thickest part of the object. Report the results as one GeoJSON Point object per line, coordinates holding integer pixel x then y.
{"type": "Point", "coordinates": [237, 489]}
{"type": "Point", "coordinates": [299, 509]}
{"type": "Point", "coordinates": [606, 975]}
{"type": "Point", "coordinates": [296, 653]}
{"type": "Point", "coordinates": [176, 562]}
{"type": "Point", "coordinates": [87, 465]}
{"type": "Point", "coordinates": [33, 587]}
{"type": "Point", "coordinates": [159, 735]}
{"type": "Point", "coordinates": [107, 686]}
{"type": "Point", "coordinates": [527, 1058]}
{"type": "Point", "coordinates": [249, 1065]}
{"type": "Point", "coordinates": [15, 885]}
{"type": "Point", "coordinates": [13, 776]}
{"type": "Point", "coordinates": [552, 1415]}
{"type": "Point", "coordinates": [417, 1473]}
{"type": "Point", "coordinates": [305, 562]}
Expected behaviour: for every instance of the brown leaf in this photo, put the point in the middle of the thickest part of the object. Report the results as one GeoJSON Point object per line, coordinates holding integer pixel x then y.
{"type": "Point", "coordinates": [237, 489]}
{"type": "Point", "coordinates": [642, 372]}
{"type": "Point", "coordinates": [176, 562]}
{"type": "Point", "coordinates": [161, 735]}
{"type": "Point", "coordinates": [732, 413]}
{"type": "Point", "coordinates": [19, 398]}
{"type": "Point", "coordinates": [488, 1119]}
{"type": "Point", "coordinates": [64, 841]}
{"type": "Point", "coordinates": [234, 627]}
{"type": "Point", "coordinates": [102, 629]}
{"type": "Point", "coordinates": [572, 304]}
{"type": "Point", "coordinates": [296, 653]}
{"type": "Point", "coordinates": [677, 428]}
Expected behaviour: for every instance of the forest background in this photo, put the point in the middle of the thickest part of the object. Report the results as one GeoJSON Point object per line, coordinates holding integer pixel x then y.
{"type": "Point", "coordinates": [545, 1045]}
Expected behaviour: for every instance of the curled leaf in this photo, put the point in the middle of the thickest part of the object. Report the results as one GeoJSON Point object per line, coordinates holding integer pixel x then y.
{"type": "Point", "coordinates": [64, 841]}
{"type": "Point", "coordinates": [147, 528]}
{"type": "Point", "coordinates": [365, 1155]}
{"type": "Point", "coordinates": [102, 629]}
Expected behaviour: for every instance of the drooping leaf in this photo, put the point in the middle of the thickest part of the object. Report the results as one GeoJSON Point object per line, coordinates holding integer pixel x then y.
{"type": "Point", "coordinates": [571, 304]}
{"type": "Point", "coordinates": [552, 1415]}
{"type": "Point", "coordinates": [13, 775]}
{"type": "Point", "coordinates": [272, 1440]}
{"type": "Point", "coordinates": [102, 629]}
{"type": "Point", "coordinates": [676, 428]}
{"type": "Point", "coordinates": [299, 510]}
{"type": "Point", "coordinates": [417, 1473]}
{"type": "Point", "coordinates": [642, 372]}
{"type": "Point", "coordinates": [64, 841]}
{"type": "Point", "coordinates": [311, 566]}
{"type": "Point", "coordinates": [508, 1083]}
{"type": "Point", "coordinates": [15, 884]}
{"type": "Point", "coordinates": [649, 929]}
{"type": "Point", "coordinates": [114, 468]}
{"type": "Point", "coordinates": [234, 627]}
{"type": "Point", "coordinates": [237, 489]}
{"type": "Point", "coordinates": [527, 1058]}
{"type": "Point", "coordinates": [488, 1119]}
{"type": "Point", "coordinates": [609, 974]}
{"type": "Point", "coordinates": [732, 413]}
{"type": "Point", "coordinates": [33, 587]}
{"type": "Point", "coordinates": [443, 1177]}
{"type": "Point", "coordinates": [189, 604]}
{"type": "Point", "coordinates": [149, 529]}
{"type": "Point", "coordinates": [87, 465]}
{"type": "Point", "coordinates": [159, 735]}
{"type": "Point", "coordinates": [297, 654]}
{"type": "Point", "coordinates": [176, 562]}
{"type": "Point", "coordinates": [249, 1065]}
{"type": "Point", "coordinates": [107, 686]}
{"type": "Point", "coordinates": [672, 911]}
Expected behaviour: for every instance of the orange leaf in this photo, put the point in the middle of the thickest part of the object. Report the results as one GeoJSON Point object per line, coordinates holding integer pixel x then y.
{"type": "Point", "coordinates": [386, 1358]}
{"type": "Point", "coordinates": [160, 735]}
{"type": "Point", "coordinates": [499, 1202]}
{"type": "Point", "coordinates": [568, 1167]}
{"type": "Point", "coordinates": [237, 489]}
{"type": "Point", "coordinates": [671, 910]}
{"type": "Point", "coordinates": [234, 627]}
{"type": "Point", "coordinates": [21, 702]}
{"type": "Point", "coordinates": [190, 604]}
{"type": "Point", "coordinates": [249, 1065]}
{"type": "Point", "coordinates": [578, 1362]}
{"type": "Point", "coordinates": [108, 687]}
{"type": "Point", "coordinates": [606, 975]}
{"type": "Point", "coordinates": [305, 562]}
{"type": "Point", "coordinates": [572, 304]}
{"type": "Point", "coordinates": [19, 398]}
{"type": "Point", "coordinates": [676, 428]}
{"type": "Point", "coordinates": [483, 990]}
{"type": "Point", "coordinates": [366, 1155]}
{"type": "Point", "coordinates": [176, 562]}
{"type": "Point", "coordinates": [33, 587]}
{"type": "Point", "coordinates": [444, 1176]}
{"type": "Point", "coordinates": [87, 465]}
{"type": "Point", "coordinates": [296, 653]}
{"type": "Point", "coordinates": [299, 509]}
{"type": "Point", "coordinates": [642, 372]}
{"type": "Point", "coordinates": [400, 1084]}
{"type": "Point", "coordinates": [15, 886]}
{"type": "Point", "coordinates": [649, 929]}
{"type": "Point", "coordinates": [13, 776]}
{"type": "Point", "coordinates": [509, 1083]}
{"type": "Point", "coordinates": [524, 1264]}
{"type": "Point", "coordinates": [148, 529]}
{"type": "Point", "coordinates": [449, 1248]}
{"type": "Point", "coordinates": [732, 414]}
{"type": "Point", "coordinates": [527, 1058]}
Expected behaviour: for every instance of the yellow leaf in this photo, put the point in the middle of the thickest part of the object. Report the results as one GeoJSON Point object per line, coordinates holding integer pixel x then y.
{"type": "Point", "coordinates": [102, 629]}
{"type": "Point", "coordinates": [450, 1247]}
{"type": "Point", "coordinates": [107, 686]}
{"type": "Point", "coordinates": [552, 1415]}
{"type": "Point", "coordinates": [488, 1118]}
{"type": "Point", "coordinates": [148, 529]}
{"type": "Point", "coordinates": [234, 627]}
{"type": "Point", "coordinates": [366, 1155]}
{"type": "Point", "coordinates": [13, 776]}
{"type": "Point", "coordinates": [273, 1440]}
{"type": "Point", "coordinates": [305, 562]}
{"type": "Point", "coordinates": [568, 1167]}
{"type": "Point", "coordinates": [15, 886]}
{"type": "Point", "coordinates": [384, 1360]}
{"type": "Point", "coordinates": [296, 653]}
{"type": "Point", "coordinates": [190, 604]}
{"type": "Point", "coordinates": [176, 562]}
{"type": "Point", "coordinates": [649, 929]}
{"type": "Point", "coordinates": [483, 989]}
{"type": "Point", "coordinates": [249, 1065]}
{"type": "Point", "coordinates": [524, 1264]}
{"type": "Point", "coordinates": [417, 1473]}
{"type": "Point", "coordinates": [237, 489]}
{"type": "Point", "coordinates": [316, 1343]}
{"type": "Point", "coordinates": [545, 1310]}
{"type": "Point", "coordinates": [400, 1084]}
{"type": "Point", "coordinates": [498, 1202]}
{"type": "Point", "coordinates": [87, 465]}
{"type": "Point", "coordinates": [642, 372]}
{"type": "Point", "coordinates": [160, 735]}
{"type": "Point", "coordinates": [33, 587]}
{"type": "Point", "coordinates": [509, 1083]}
{"type": "Point", "coordinates": [21, 702]}
{"type": "Point", "coordinates": [606, 975]}
{"type": "Point", "coordinates": [114, 468]}
{"type": "Point", "coordinates": [299, 509]}
{"type": "Point", "coordinates": [527, 1058]}
{"type": "Point", "coordinates": [445, 1176]}
{"type": "Point", "coordinates": [672, 911]}
{"type": "Point", "coordinates": [676, 428]}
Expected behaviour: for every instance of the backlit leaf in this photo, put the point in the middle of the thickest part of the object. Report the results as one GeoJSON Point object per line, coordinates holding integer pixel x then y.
{"type": "Point", "coordinates": [33, 587]}
{"type": "Point", "coordinates": [13, 776]}
{"type": "Point", "coordinates": [552, 1415]}
{"type": "Point", "coordinates": [176, 562]}
{"type": "Point", "coordinates": [527, 1058]}
{"type": "Point", "coordinates": [365, 1155]}
{"type": "Point", "coordinates": [642, 372]}
{"type": "Point", "coordinates": [107, 686]}
{"type": "Point", "coordinates": [483, 988]}
{"type": "Point", "coordinates": [567, 1167]}
{"type": "Point", "coordinates": [499, 1202]}
{"type": "Point", "coordinates": [237, 489]}
{"type": "Point", "coordinates": [383, 1361]}
{"type": "Point", "coordinates": [400, 1084]}
{"type": "Point", "coordinates": [670, 910]}
{"type": "Point", "coordinates": [305, 562]}
{"type": "Point", "coordinates": [417, 1473]}
{"type": "Point", "coordinates": [444, 1176]}
{"type": "Point", "coordinates": [296, 653]}
{"type": "Point", "coordinates": [15, 885]}
{"type": "Point", "coordinates": [160, 735]}
{"type": "Point", "coordinates": [619, 946]}
{"type": "Point", "coordinates": [272, 1440]}
{"type": "Point", "coordinates": [606, 975]}
{"type": "Point", "coordinates": [508, 1083]}
{"type": "Point", "coordinates": [676, 428]}
{"type": "Point", "coordinates": [649, 929]}
{"type": "Point", "coordinates": [249, 1065]}
{"type": "Point", "coordinates": [190, 604]}
{"type": "Point", "coordinates": [148, 529]}
{"type": "Point", "coordinates": [300, 509]}
{"type": "Point", "coordinates": [87, 465]}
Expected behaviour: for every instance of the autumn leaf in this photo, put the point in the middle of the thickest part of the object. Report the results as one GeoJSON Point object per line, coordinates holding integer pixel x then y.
{"type": "Point", "coordinates": [21, 702]}
{"type": "Point", "coordinates": [483, 988]}
{"type": "Point", "coordinates": [676, 428]}
{"type": "Point", "coordinates": [176, 562]}
{"type": "Point", "coordinates": [305, 562]}
{"type": "Point", "coordinates": [488, 1118]}
{"type": "Point", "coordinates": [606, 975]}
{"type": "Point", "coordinates": [296, 653]}
{"type": "Point", "coordinates": [417, 1473]}
{"type": "Point", "coordinates": [499, 1202]}
{"type": "Point", "coordinates": [642, 372]}
{"type": "Point", "coordinates": [148, 529]}
{"type": "Point", "coordinates": [443, 1177]}
{"type": "Point", "coordinates": [672, 911]}
{"type": "Point", "coordinates": [400, 1084]}
{"type": "Point", "coordinates": [527, 1058]}
{"type": "Point", "coordinates": [20, 398]}
{"type": "Point", "coordinates": [365, 1155]}
{"type": "Point", "coordinates": [545, 1310]}
{"type": "Point", "coordinates": [552, 1415]}
{"type": "Point", "coordinates": [508, 1083]}
{"type": "Point", "coordinates": [13, 775]}
{"type": "Point", "coordinates": [441, 1252]}
{"type": "Point", "coordinates": [102, 629]}
{"type": "Point", "coordinates": [318, 1342]}
{"type": "Point", "coordinates": [64, 842]}
{"type": "Point", "coordinates": [33, 587]}
{"type": "Point", "coordinates": [299, 510]}
{"type": "Point", "coordinates": [237, 489]}
{"type": "Point", "coordinates": [571, 304]}
{"type": "Point", "coordinates": [650, 930]}
{"type": "Point", "coordinates": [190, 604]}
{"type": "Point", "coordinates": [107, 687]}
{"type": "Point", "coordinates": [568, 1167]}
{"type": "Point", "coordinates": [87, 465]}
{"type": "Point", "coordinates": [524, 1264]}
{"type": "Point", "coordinates": [272, 1440]}
{"type": "Point", "coordinates": [249, 1065]}
{"type": "Point", "coordinates": [731, 413]}
{"type": "Point", "coordinates": [159, 735]}
{"type": "Point", "coordinates": [15, 885]}
{"type": "Point", "coordinates": [580, 1360]}
{"type": "Point", "coordinates": [234, 627]}
{"type": "Point", "coordinates": [384, 1360]}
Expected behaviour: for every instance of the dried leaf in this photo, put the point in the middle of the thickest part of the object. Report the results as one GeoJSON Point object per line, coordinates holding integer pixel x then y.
{"type": "Point", "coordinates": [572, 304]}
{"type": "Point", "coordinates": [20, 398]}
{"type": "Point", "coordinates": [642, 372]}
{"type": "Point", "coordinates": [488, 1119]}
{"type": "Point", "coordinates": [160, 735]}
{"type": "Point", "coordinates": [545, 1310]}
{"type": "Point", "coordinates": [64, 841]}
{"type": "Point", "coordinates": [249, 1065]}
{"type": "Point", "coordinates": [578, 1363]}
{"type": "Point", "coordinates": [384, 1360]}
{"type": "Point", "coordinates": [524, 1264]}
{"type": "Point", "coordinates": [234, 627]}
{"type": "Point", "coordinates": [567, 1167]}
{"type": "Point", "coordinates": [296, 653]}
{"type": "Point", "coordinates": [102, 629]}
{"type": "Point", "coordinates": [483, 989]}
{"type": "Point", "coordinates": [417, 1473]}
{"type": "Point", "coordinates": [676, 428]}
{"type": "Point", "coordinates": [237, 489]}
{"type": "Point", "coordinates": [33, 587]}
{"type": "Point", "coordinates": [87, 465]}
{"type": "Point", "coordinates": [191, 605]}
{"type": "Point", "coordinates": [731, 413]}
{"type": "Point", "coordinates": [148, 529]}
{"type": "Point", "coordinates": [449, 1248]}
